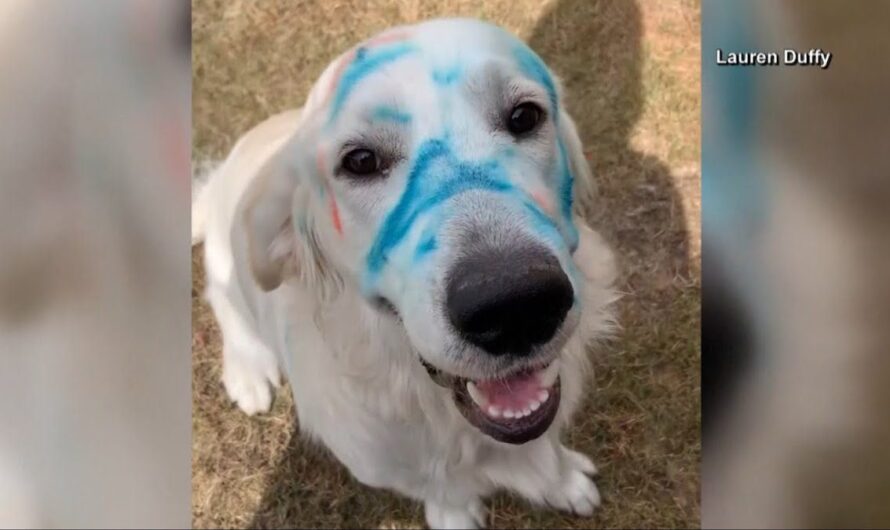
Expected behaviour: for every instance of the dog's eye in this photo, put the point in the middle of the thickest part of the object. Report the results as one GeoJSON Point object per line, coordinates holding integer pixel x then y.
{"type": "Point", "coordinates": [361, 162]}
{"type": "Point", "coordinates": [524, 118]}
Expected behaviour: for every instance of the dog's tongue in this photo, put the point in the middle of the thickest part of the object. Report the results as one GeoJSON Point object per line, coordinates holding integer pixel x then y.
{"type": "Point", "coordinates": [516, 392]}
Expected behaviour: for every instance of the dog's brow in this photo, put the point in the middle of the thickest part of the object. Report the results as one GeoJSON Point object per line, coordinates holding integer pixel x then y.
{"type": "Point", "coordinates": [365, 62]}
{"type": "Point", "coordinates": [532, 66]}
{"type": "Point", "coordinates": [391, 114]}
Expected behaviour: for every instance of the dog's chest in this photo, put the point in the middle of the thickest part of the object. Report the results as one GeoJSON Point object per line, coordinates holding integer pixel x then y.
{"type": "Point", "coordinates": [376, 413]}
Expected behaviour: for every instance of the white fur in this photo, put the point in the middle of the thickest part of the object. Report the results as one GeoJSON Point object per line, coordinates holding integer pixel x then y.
{"type": "Point", "coordinates": [358, 385]}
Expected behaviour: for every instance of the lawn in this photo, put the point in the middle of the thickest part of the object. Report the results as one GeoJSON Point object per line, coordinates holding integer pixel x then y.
{"type": "Point", "coordinates": [632, 78]}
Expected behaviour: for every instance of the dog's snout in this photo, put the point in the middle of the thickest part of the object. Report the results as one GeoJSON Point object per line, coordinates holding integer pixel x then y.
{"type": "Point", "coordinates": [508, 302]}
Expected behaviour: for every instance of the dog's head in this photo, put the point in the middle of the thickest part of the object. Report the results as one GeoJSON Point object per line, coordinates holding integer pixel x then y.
{"type": "Point", "coordinates": [434, 170]}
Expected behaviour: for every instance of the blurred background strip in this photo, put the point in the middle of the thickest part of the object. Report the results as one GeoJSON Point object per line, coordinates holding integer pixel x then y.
{"type": "Point", "coordinates": [796, 268]}
{"type": "Point", "coordinates": [94, 263]}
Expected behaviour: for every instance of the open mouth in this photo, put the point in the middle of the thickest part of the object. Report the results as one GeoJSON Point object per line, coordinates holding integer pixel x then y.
{"type": "Point", "coordinates": [512, 409]}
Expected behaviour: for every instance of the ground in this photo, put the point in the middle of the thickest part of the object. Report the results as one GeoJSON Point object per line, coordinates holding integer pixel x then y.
{"type": "Point", "coordinates": [632, 77]}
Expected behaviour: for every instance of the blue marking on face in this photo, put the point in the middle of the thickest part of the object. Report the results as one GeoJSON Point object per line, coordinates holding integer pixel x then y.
{"type": "Point", "coordinates": [532, 66]}
{"type": "Point", "coordinates": [546, 227]}
{"type": "Point", "coordinates": [392, 114]}
{"type": "Point", "coordinates": [542, 223]}
{"type": "Point", "coordinates": [426, 246]}
{"type": "Point", "coordinates": [428, 187]}
{"type": "Point", "coordinates": [447, 76]}
{"type": "Point", "coordinates": [566, 198]}
{"type": "Point", "coordinates": [424, 191]}
{"type": "Point", "coordinates": [366, 62]}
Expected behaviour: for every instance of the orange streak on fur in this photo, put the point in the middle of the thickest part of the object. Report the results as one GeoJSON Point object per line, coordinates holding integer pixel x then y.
{"type": "Point", "coordinates": [543, 201]}
{"type": "Point", "coordinates": [335, 213]}
{"type": "Point", "coordinates": [388, 37]}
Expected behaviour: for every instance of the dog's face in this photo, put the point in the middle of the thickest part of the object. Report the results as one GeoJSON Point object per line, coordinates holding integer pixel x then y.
{"type": "Point", "coordinates": [435, 172]}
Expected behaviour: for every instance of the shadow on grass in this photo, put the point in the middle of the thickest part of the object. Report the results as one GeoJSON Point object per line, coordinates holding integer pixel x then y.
{"type": "Point", "coordinates": [595, 48]}
{"type": "Point", "coordinates": [640, 421]}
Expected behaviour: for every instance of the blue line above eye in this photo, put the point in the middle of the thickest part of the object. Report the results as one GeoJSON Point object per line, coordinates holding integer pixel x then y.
{"type": "Point", "coordinates": [447, 76]}
{"type": "Point", "coordinates": [392, 114]}
{"type": "Point", "coordinates": [532, 66]}
{"type": "Point", "coordinates": [366, 62]}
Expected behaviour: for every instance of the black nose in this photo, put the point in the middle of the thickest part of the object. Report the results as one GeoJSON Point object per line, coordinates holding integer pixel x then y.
{"type": "Point", "coordinates": [508, 302]}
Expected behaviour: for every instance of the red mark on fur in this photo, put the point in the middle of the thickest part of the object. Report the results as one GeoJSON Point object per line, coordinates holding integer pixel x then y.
{"type": "Point", "coordinates": [338, 73]}
{"type": "Point", "coordinates": [388, 37]}
{"type": "Point", "coordinates": [543, 201]}
{"type": "Point", "coordinates": [335, 212]}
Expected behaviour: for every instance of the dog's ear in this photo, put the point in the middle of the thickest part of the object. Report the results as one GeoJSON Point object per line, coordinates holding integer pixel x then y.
{"type": "Point", "coordinates": [267, 221]}
{"type": "Point", "coordinates": [584, 187]}
{"type": "Point", "coordinates": [280, 245]}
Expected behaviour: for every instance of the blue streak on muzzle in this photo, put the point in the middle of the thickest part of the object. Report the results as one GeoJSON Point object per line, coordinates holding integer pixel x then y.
{"type": "Point", "coordinates": [365, 63]}
{"type": "Point", "coordinates": [423, 192]}
{"type": "Point", "coordinates": [426, 247]}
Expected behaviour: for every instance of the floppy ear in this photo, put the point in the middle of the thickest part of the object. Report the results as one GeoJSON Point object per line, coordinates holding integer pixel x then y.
{"type": "Point", "coordinates": [267, 222]}
{"type": "Point", "coordinates": [279, 246]}
{"type": "Point", "coordinates": [584, 190]}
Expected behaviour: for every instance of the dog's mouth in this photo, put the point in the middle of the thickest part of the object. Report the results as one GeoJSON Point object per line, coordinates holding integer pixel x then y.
{"type": "Point", "coordinates": [513, 409]}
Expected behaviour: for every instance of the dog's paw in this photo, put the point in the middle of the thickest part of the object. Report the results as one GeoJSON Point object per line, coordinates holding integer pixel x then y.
{"type": "Point", "coordinates": [440, 516]}
{"type": "Point", "coordinates": [577, 493]}
{"type": "Point", "coordinates": [580, 461]}
{"type": "Point", "coordinates": [249, 383]}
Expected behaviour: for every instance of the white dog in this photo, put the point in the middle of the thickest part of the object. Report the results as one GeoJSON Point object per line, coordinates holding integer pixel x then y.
{"type": "Point", "coordinates": [408, 248]}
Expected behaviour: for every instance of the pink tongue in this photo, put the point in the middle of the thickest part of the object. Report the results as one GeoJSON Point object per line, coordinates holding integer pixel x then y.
{"type": "Point", "coordinates": [514, 393]}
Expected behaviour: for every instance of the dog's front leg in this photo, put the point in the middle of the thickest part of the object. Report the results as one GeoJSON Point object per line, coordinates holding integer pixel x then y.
{"type": "Point", "coordinates": [249, 367]}
{"type": "Point", "coordinates": [469, 514]}
{"type": "Point", "coordinates": [452, 496]}
{"type": "Point", "coordinates": [548, 473]}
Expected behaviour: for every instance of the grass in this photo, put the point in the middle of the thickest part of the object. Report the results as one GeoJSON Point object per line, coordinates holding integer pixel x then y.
{"type": "Point", "coordinates": [631, 72]}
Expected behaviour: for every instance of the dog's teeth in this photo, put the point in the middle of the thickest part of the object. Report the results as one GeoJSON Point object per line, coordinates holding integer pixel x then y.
{"type": "Point", "coordinates": [526, 411]}
{"type": "Point", "coordinates": [494, 412]}
{"type": "Point", "coordinates": [509, 414]}
{"type": "Point", "coordinates": [547, 377]}
{"type": "Point", "coordinates": [534, 405]}
{"type": "Point", "coordinates": [475, 395]}
{"type": "Point", "coordinates": [543, 396]}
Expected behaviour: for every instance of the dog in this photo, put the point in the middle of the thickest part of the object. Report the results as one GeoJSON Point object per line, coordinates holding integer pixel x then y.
{"type": "Point", "coordinates": [409, 249]}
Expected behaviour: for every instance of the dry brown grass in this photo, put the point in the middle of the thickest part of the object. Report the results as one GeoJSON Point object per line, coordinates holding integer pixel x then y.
{"type": "Point", "coordinates": [632, 76]}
